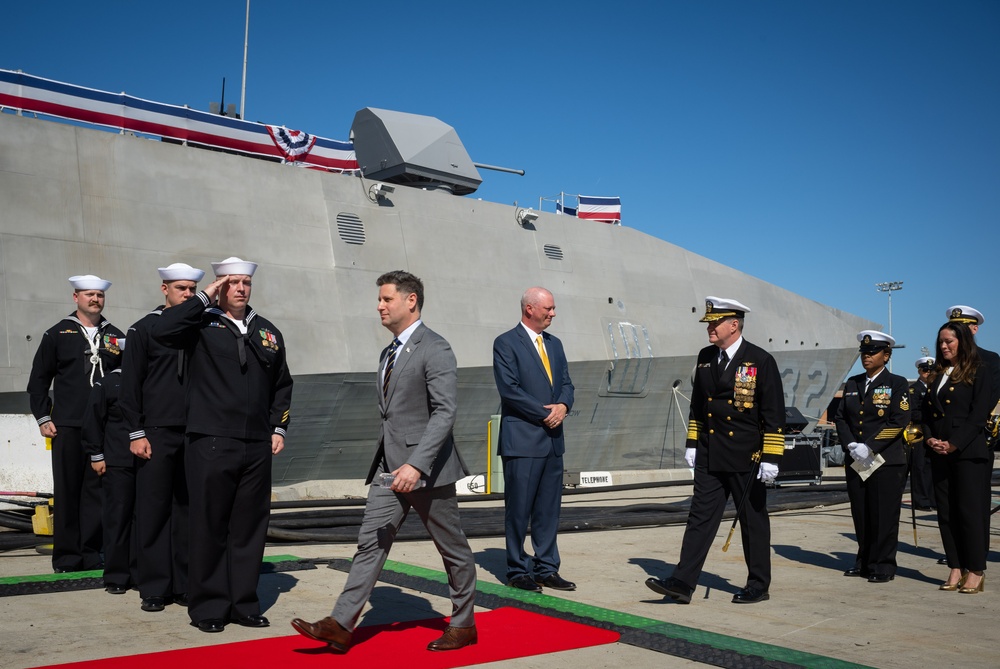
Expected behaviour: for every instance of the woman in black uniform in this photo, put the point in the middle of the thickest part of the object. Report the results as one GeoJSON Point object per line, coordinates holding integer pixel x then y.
{"type": "Point", "coordinates": [870, 421]}
{"type": "Point", "coordinates": [955, 412]}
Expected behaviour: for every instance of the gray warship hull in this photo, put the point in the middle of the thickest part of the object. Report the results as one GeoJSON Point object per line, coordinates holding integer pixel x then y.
{"type": "Point", "coordinates": [78, 200]}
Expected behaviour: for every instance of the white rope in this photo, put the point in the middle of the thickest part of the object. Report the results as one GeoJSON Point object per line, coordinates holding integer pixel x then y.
{"type": "Point", "coordinates": [677, 403]}
{"type": "Point", "coordinates": [95, 355]}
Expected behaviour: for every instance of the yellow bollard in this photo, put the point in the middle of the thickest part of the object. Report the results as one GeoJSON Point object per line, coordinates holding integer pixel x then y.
{"type": "Point", "coordinates": [41, 522]}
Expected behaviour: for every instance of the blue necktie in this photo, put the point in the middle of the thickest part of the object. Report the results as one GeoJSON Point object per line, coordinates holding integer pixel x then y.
{"type": "Point", "coordinates": [389, 362]}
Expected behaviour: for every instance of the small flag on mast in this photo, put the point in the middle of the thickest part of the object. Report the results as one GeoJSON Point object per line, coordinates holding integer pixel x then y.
{"type": "Point", "coordinates": [606, 209]}
{"type": "Point", "coordinates": [563, 209]}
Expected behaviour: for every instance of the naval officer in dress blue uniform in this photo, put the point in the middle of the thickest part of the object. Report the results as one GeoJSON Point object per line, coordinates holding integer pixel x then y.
{"type": "Point", "coordinates": [737, 419]}
{"type": "Point", "coordinates": [870, 421]}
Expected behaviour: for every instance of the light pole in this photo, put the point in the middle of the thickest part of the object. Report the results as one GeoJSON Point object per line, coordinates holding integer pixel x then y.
{"type": "Point", "coordinates": [888, 287]}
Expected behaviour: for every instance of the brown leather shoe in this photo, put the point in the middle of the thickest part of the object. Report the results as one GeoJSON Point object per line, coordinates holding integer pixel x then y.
{"type": "Point", "coordinates": [455, 638]}
{"type": "Point", "coordinates": [327, 630]}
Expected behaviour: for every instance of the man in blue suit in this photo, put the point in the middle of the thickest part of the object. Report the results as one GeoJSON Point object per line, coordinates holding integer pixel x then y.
{"type": "Point", "coordinates": [536, 393]}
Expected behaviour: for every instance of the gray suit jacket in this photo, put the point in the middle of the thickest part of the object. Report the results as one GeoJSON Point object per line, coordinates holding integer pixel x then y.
{"type": "Point", "coordinates": [418, 412]}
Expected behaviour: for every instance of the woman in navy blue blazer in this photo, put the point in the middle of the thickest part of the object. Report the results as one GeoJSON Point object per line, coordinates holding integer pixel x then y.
{"type": "Point", "coordinates": [955, 411]}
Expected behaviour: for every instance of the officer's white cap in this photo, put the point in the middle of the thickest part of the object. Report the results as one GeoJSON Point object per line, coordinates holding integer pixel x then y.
{"type": "Point", "coordinates": [873, 339]}
{"type": "Point", "coordinates": [234, 266]}
{"type": "Point", "coordinates": [961, 313]}
{"type": "Point", "coordinates": [179, 271]}
{"type": "Point", "coordinates": [717, 308]}
{"type": "Point", "coordinates": [88, 282]}
{"type": "Point", "coordinates": [924, 362]}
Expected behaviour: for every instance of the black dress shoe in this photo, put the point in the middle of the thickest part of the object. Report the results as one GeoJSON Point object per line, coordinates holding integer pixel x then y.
{"type": "Point", "coordinates": [942, 560]}
{"type": "Point", "coordinates": [750, 596]}
{"type": "Point", "coordinates": [672, 588]}
{"type": "Point", "coordinates": [153, 604]}
{"type": "Point", "coordinates": [180, 599]}
{"type": "Point", "coordinates": [253, 621]}
{"type": "Point", "coordinates": [115, 589]}
{"type": "Point", "coordinates": [556, 582]}
{"type": "Point", "coordinates": [524, 582]}
{"type": "Point", "coordinates": [211, 625]}
{"type": "Point", "coordinates": [880, 578]}
{"type": "Point", "coordinates": [853, 571]}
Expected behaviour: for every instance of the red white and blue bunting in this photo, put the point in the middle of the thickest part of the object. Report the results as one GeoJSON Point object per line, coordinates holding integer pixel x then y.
{"type": "Point", "coordinates": [117, 110]}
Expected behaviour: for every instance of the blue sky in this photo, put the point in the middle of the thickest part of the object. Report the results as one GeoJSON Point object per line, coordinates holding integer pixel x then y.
{"type": "Point", "coordinates": [823, 146]}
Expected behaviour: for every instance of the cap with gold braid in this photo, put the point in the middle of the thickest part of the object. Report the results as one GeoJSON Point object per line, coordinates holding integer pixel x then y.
{"type": "Point", "coordinates": [963, 314]}
{"type": "Point", "coordinates": [873, 340]}
{"type": "Point", "coordinates": [718, 308]}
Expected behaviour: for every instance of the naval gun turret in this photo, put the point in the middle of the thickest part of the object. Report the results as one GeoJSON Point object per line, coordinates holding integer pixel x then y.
{"type": "Point", "coordinates": [412, 150]}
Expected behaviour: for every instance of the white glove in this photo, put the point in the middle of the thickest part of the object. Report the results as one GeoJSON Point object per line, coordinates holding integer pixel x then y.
{"type": "Point", "coordinates": [689, 456]}
{"type": "Point", "coordinates": [851, 446]}
{"type": "Point", "coordinates": [860, 452]}
{"type": "Point", "coordinates": [768, 472]}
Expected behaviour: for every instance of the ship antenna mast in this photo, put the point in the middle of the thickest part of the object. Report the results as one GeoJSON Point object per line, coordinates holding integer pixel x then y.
{"type": "Point", "coordinates": [246, 42]}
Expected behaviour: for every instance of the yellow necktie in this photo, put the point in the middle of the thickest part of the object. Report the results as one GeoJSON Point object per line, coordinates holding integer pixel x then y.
{"type": "Point", "coordinates": [545, 358]}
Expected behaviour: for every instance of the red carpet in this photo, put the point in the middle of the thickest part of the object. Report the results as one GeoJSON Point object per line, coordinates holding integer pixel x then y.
{"type": "Point", "coordinates": [503, 634]}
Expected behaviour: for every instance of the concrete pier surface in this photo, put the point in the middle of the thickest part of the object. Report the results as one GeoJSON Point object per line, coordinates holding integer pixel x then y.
{"type": "Point", "coordinates": [816, 617]}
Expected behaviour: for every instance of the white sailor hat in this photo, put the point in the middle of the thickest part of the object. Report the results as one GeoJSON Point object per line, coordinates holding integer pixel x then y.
{"type": "Point", "coordinates": [179, 271]}
{"type": "Point", "coordinates": [925, 361]}
{"type": "Point", "coordinates": [873, 340]}
{"type": "Point", "coordinates": [234, 265]}
{"type": "Point", "coordinates": [717, 308]}
{"type": "Point", "coordinates": [963, 314]}
{"type": "Point", "coordinates": [88, 282]}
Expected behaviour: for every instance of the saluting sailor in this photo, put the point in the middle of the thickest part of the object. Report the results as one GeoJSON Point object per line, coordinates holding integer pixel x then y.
{"type": "Point", "coordinates": [737, 419]}
{"type": "Point", "coordinates": [237, 410]}
{"type": "Point", "coordinates": [870, 420]}
{"type": "Point", "coordinates": [72, 354]}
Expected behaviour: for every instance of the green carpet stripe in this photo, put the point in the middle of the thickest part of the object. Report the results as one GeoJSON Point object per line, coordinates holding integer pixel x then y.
{"type": "Point", "coordinates": [97, 573]}
{"type": "Point", "coordinates": [280, 558]}
{"type": "Point", "coordinates": [50, 578]}
{"type": "Point", "coordinates": [648, 625]}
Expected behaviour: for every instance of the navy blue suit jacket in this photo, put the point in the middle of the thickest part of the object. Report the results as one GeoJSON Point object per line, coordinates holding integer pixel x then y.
{"type": "Point", "coordinates": [525, 390]}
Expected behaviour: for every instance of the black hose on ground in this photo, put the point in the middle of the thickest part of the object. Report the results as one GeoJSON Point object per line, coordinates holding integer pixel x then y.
{"type": "Point", "coordinates": [342, 526]}
{"type": "Point", "coordinates": [15, 520]}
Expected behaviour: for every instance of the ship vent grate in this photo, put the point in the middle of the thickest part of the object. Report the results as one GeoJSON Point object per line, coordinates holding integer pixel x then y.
{"type": "Point", "coordinates": [553, 252]}
{"type": "Point", "coordinates": [351, 228]}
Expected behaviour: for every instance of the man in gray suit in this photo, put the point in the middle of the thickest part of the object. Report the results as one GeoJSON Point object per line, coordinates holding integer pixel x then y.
{"type": "Point", "coordinates": [418, 396]}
